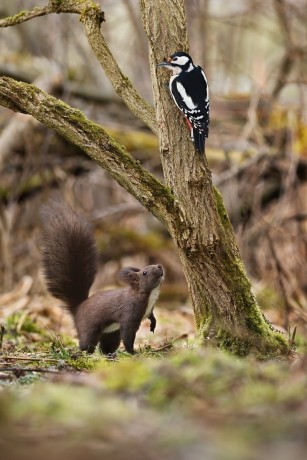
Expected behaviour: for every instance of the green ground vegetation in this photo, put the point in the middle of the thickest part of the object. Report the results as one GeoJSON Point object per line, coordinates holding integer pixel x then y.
{"type": "Point", "coordinates": [189, 402]}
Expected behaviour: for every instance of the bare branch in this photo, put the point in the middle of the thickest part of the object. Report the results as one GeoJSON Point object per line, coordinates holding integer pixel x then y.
{"type": "Point", "coordinates": [120, 82]}
{"type": "Point", "coordinates": [293, 50]}
{"type": "Point", "coordinates": [282, 275]}
{"type": "Point", "coordinates": [24, 16]}
{"type": "Point", "coordinates": [54, 6]}
{"type": "Point", "coordinates": [96, 143]}
{"type": "Point", "coordinates": [284, 70]}
{"type": "Point", "coordinates": [13, 134]}
{"type": "Point", "coordinates": [280, 9]}
{"type": "Point", "coordinates": [92, 16]}
{"type": "Point", "coordinates": [19, 370]}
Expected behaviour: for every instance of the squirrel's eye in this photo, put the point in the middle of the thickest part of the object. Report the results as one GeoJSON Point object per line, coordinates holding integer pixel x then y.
{"type": "Point", "coordinates": [145, 272]}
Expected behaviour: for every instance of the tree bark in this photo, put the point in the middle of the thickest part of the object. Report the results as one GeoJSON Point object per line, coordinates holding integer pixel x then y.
{"type": "Point", "coordinates": [189, 206]}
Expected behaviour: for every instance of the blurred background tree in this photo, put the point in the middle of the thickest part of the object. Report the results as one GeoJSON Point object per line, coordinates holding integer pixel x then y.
{"type": "Point", "coordinates": [254, 55]}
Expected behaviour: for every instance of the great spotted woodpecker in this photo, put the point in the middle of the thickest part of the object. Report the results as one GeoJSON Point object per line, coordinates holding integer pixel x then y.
{"type": "Point", "coordinates": [189, 88]}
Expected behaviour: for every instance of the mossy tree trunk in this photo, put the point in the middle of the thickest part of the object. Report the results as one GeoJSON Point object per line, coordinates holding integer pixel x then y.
{"type": "Point", "coordinates": [189, 206]}
{"type": "Point", "coordinates": [224, 305]}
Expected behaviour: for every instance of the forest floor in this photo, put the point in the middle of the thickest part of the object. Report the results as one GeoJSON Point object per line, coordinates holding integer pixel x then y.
{"type": "Point", "coordinates": [173, 400]}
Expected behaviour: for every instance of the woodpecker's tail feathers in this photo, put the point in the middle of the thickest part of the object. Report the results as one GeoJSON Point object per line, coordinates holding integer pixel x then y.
{"type": "Point", "coordinates": [199, 140]}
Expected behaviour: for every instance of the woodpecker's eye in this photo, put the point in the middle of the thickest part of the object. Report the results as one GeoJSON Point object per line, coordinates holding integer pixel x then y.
{"type": "Point", "coordinates": [175, 59]}
{"type": "Point", "coordinates": [145, 272]}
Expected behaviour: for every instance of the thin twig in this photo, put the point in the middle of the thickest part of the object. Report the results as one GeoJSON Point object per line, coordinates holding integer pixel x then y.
{"type": "Point", "coordinates": [292, 337]}
{"type": "Point", "coordinates": [28, 369]}
{"type": "Point", "coordinates": [280, 10]}
{"type": "Point", "coordinates": [23, 358]}
{"type": "Point", "coordinates": [165, 347]}
{"type": "Point", "coordinates": [298, 217]}
{"type": "Point", "coordinates": [239, 170]}
{"type": "Point", "coordinates": [24, 16]}
{"type": "Point", "coordinates": [281, 273]}
{"type": "Point", "coordinates": [119, 211]}
{"type": "Point", "coordinates": [2, 332]}
{"type": "Point", "coordinates": [288, 59]}
{"type": "Point", "coordinates": [170, 344]}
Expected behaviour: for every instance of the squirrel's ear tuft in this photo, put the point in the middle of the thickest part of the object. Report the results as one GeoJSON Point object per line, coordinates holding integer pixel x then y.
{"type": "Point", "coordinates": [130, 275]}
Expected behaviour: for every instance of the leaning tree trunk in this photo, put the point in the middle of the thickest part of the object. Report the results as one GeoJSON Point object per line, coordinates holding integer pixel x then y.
{"type": "Point", "coordinates": [188, 205]}
{"type": "Point", "coordinates": [224, 305]}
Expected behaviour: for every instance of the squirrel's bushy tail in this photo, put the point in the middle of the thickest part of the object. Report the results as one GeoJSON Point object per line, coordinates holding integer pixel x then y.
{"type": "Point", "coordinates": [69, 253]}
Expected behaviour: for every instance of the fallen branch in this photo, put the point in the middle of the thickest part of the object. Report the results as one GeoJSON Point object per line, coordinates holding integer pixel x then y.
{"type": "Point", "coordinates": [28, 369]}
{"type": "Point", "coordinates": [170, 344]}
{"type": "Point", "coordinates": [23, 358]}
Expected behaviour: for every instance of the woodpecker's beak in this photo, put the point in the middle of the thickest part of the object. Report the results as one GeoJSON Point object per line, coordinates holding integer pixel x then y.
{"type": "Point", "coordinates": [165, 63]}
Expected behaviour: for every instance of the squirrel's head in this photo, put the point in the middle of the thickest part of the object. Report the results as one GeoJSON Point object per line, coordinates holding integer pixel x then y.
{"type": "Point", "coordinates": [144, 280]}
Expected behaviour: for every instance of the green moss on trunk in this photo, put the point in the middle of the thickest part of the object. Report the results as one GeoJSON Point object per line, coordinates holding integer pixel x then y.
{"type": "Point", "coordinates": [268, 344]}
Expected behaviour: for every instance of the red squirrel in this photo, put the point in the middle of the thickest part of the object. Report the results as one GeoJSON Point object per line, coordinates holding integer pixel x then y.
{"type": "Point", "coordinates": [69, 259]}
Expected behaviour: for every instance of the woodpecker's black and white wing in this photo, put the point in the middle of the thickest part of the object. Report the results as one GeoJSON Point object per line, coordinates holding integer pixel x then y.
{"type": "Point", "coordinates": [190, 92]}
